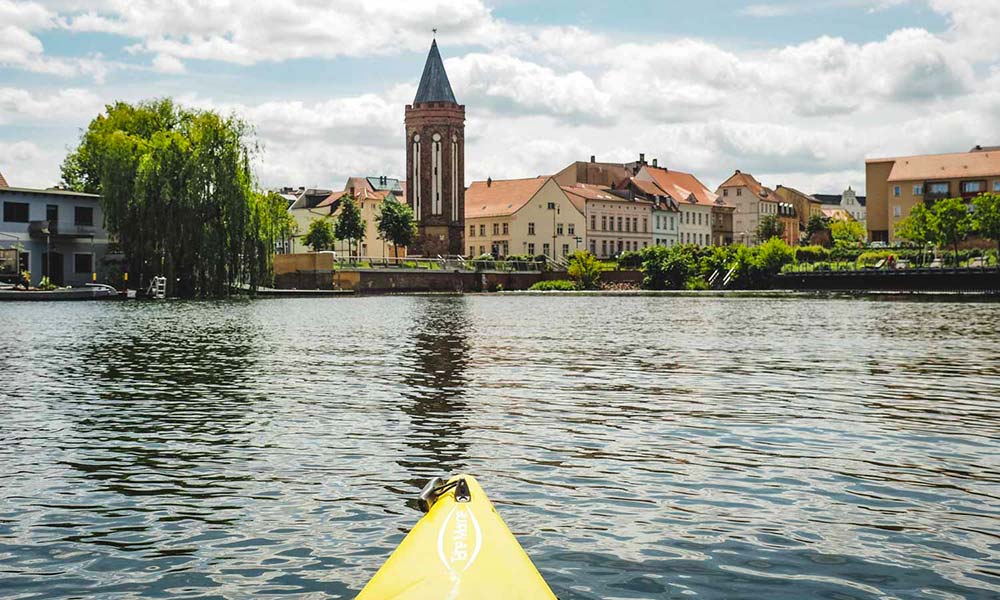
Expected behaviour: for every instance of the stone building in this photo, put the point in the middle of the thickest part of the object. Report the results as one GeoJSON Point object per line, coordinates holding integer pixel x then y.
{"type": "Point", "coordinates": [435, 162]}
{"type": "Point", "coordinates": [751, 201]}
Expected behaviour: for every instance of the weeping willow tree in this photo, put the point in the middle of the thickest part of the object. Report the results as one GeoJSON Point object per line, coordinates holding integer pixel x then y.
{"type": "Point", "coordinates": [179, 196]}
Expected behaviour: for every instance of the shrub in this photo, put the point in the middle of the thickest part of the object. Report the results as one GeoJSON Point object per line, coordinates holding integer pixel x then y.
{"type": "Point", "coordinates": [630, 260]}
{"type": "Point", "coordinates": [584, 269]}
{"type": "Point", "coordinates": [555, 285]}
{"type": "Point", "coordinates": [872, 257]}
{"type": "Point", "coordinates": [811, 254]}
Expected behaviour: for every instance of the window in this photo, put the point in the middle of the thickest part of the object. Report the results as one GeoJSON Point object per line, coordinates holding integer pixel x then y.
{"type": "Point", "coordinates": [620, 224]}
{"type": "Point", "coordinates": [699, 218]}
{"type": "Point", "coordinates": [939, 188]}
{"type": "Point", "coordinates": [973, 187]}
{"type": "Point", "coordinates": [593, 247]}
{"type": "Point", "coordinates": [635, 223]}
{"type": "Point", "coordinates": [918, 189]}
{"type": "Point", "coordinates": [83, 215]}
{"type": "Point", "coordinates": [482, 250]}
{"type": "Point", "coordinates": [739, 191]}
{"type": "Point", "coordinates": [620, 245]}
{"type": "Point", "coordinates": [725, 191]}
{"type": "Point", "coordinates": [604, 223]}
{"type": "Point", "coordinates": [593, 221]}
{"type": "Point", "coordinates": [15, 212]}
{"type": "Point", "coordinates": [531, 229]}
{"type": "Point", "coordinates": [671, 222]}
{"type": "Point", "coordinates": [559, 229]}
{"type": "Point", "coordinates": [571, 229]}
{"type": "Point", "coordinates": [895, 191]}
{"type": "Point", "coordinates": [482, 230]}
{"type": "Point", "coordinates": [644, 224]}
{"type": "Point", "coordinates": [604, 247]}
{"type": "Point", "coordinates": [496, 229]}
{"type": "Point", "coordinates": [996, 185]}
{"type": "Point", "coordinates": [506, 228]}
{"type": "Point", "coordinates": [565, 250]}
{"type": "Point", "coordinates": [545, 249]}
{"type": "Point", "coordinates": [83, 263]}
{"type": "Point", "coordinates": [628, 224]}
{"type": "Point", "coordinates": [897, 210]}
{"type": "Point", "coordinates": [472, 232]}
{"type": "Point", "coordinates": [52, 213]}
{"type": "Point", "coordinates": [472, 249]}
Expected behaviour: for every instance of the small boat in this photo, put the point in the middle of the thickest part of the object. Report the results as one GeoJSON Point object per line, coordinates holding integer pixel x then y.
{"type": "Point", "coordinates": [461, 549]}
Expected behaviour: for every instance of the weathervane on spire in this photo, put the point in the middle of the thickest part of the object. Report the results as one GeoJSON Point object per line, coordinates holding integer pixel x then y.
{"type": "Point", "coordinates": [435, 32]}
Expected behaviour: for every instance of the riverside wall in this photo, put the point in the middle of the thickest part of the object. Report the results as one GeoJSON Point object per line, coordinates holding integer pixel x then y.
{"type": "Point", "coordinates": [899, 280]}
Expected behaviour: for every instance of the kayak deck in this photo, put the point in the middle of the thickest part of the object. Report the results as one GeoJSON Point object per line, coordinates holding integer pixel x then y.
{"type": "Point", "coordinates": [460, 549]}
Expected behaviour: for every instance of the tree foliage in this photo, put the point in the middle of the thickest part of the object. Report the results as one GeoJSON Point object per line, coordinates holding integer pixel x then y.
{"type": "Point", "coordinates": [818, 230]}
{"type": "Point", "coordinates": [691, 267]}
{"type": "Point", "coordinates": [950, 222]}
{"type": "Point", "coordinates": [584, 269]}
{"type": "Point", "coordinates": [847, 233]}
{"type": "Point", "coordinates": [916, 227]}
{"type": "Point", "coordinates": [350, 226]}
{"type": "Point", "coordinates": [319, 236]}
{"type": "Point", "coordinates": [986, 217]}
{"type": "Point", "coordinates": [179, 196]}
{"type": "Point", "coordinates": [396, 224]}
{"type": "Point", "coordinates": [770, 226]}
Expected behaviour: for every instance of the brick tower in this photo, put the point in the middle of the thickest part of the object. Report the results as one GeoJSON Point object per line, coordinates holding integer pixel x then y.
{"type": "Point", "coordinates": [435, 162]}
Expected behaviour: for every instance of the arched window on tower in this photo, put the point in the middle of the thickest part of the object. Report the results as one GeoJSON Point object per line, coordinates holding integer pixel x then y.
{"type": "Point", "coordinates": [416, 176]}
{"type": "Point", "coordinates": [436, 175]}
{"type": "Point", "coordinates": [454, 178]}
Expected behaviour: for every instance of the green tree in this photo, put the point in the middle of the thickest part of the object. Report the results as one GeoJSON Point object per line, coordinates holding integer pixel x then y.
{"type": "Point", "coordinates": [769, 227]}
{"type": "Point", "coordinates": [668, 268]}
{"type": "Point", "coordinates": [584, 269]}
{"type": "Point", "coordinates": [319, 236]}
{"type": "Point", "coordinates": [178, 194]}
{"type": "Point", "coordinates": [396, 224]}
{"type": "Point", "coordinates": [986, 217]}
{"type": "Point", "coordinates": [950, 222]}
{"type": "Point", "coordinates": [916, 227]}
{"type": "Point", "coordinates": [350, 226]}
{"type": "Point", "coordinates": [818, 230]}
{"type": "Point", "coordinates": [847, 233]}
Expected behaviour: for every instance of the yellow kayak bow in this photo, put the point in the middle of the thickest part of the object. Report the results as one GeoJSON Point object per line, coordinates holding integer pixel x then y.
{"type": "Point", "coordinates": [461, 549]}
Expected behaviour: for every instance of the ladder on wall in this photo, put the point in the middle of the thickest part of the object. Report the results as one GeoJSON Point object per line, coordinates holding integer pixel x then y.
{"type": "Point", "coordinates": [157, 288]}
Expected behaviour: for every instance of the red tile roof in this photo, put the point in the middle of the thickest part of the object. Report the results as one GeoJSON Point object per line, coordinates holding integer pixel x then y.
{"type": "Point", "coordinates": [500, 197]}
{"type": "Point", "coordinates": [945, 166]}
{"type": "Point", "coordinates": [681, 186]}
{"type": "Point", "coordinates": [579, 193]}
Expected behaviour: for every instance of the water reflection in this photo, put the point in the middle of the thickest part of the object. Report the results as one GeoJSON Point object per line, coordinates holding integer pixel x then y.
{"type": "Point", "coordinates": [435, 396]}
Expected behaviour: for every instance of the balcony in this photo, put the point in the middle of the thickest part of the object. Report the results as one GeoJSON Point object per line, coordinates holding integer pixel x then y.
{"type": "Point", "coordinates": [57, 229]}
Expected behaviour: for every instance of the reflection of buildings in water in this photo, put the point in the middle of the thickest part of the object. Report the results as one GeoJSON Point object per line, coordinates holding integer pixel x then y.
{"type": "Point", "coordinates": [435, 394]}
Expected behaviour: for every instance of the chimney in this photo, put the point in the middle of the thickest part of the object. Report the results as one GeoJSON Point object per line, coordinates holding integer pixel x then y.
{"type": "Point", "coordinates": [593, 158]}
{"type": "Point", "coordinates": [654, 162]}
{"type": "Point", "coordinates": [489, 182]}
{"type": "Point", "coordinates": [737, 171]}
{"type": "Point", "coordinates": [642, 158]}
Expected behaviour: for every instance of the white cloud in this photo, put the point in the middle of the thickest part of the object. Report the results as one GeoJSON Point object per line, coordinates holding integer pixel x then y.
{"type": "Point", "coordinates": [18, 106]}
{"type": "Point", "coordinates": [164, 63]}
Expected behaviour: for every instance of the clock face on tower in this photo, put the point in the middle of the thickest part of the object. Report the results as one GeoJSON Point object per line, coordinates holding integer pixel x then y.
{"type": "Point", "coordinates": [435, 162]}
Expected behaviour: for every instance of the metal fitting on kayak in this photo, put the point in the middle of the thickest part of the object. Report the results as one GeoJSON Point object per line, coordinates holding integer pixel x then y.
{"type": "Point", "coordinates": [435, 488]}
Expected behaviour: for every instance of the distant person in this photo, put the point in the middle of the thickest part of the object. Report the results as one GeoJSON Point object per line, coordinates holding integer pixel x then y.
{"type": "Point", "coordinates": [891, 262]}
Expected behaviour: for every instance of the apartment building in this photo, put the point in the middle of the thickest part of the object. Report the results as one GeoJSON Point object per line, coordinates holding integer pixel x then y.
{"type": "Point", "coordinates": [893, 186]}
{"type": "Point", "coordinates": [615, 222]}
{"type": "Point", "coordinates": [751, 201]}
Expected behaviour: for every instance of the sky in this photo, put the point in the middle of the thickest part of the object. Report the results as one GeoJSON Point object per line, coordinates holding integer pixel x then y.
{"type": "Point", "coordinates": [797, 93]}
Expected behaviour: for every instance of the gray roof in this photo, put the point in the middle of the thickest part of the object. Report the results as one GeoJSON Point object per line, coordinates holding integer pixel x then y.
{"type": "Point", "coordinates": [434, 85]}
{"type": "Point", "coordinates": [48, 192]}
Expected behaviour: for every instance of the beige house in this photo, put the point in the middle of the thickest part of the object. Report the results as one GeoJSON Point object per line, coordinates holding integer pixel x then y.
{"type": "Point", "coordinates": [695, 202]}
{"type": "Point", "coordinates": [369, 193]}
{"type": "Point", "coordinates": [521, 216]}
{"type": "Point", "coordinates": [894, 185]}
{"type": "Point", "coordinates": [805, 205]}
{"type": "Point", "coordinates": [751, 201]}
{"type": "Point", "coordinates": [615, 223]}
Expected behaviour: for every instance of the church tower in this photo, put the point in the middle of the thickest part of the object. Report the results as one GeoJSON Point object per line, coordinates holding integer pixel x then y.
{"type": "Point", "coordinates": [435, 162]}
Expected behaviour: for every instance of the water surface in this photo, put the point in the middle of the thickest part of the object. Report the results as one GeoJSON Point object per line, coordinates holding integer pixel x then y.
{"type": "Point", "coordinates": [638, 447]}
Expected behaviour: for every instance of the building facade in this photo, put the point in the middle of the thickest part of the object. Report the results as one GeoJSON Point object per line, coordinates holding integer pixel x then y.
{"type": "Point", "coordinates": [751, 201]}
{"type": "Point", "coordinates": [615, 223]}
{"type": "Point", "coordinates": [849, 202]}
{"type": "Point", "coordinates": [521, 216]}
{"type": "Point", "coordinates": [59, 234]}
{"type": "Point", "coordinates": [805, 205]}
{"type": "Point", "coordinates": [694, 201]}
{"type": "Point", "coordinates": [893, 186]}
{"type": "Point", "coordinates": [435, 162]}
{"type": "Point", "coordinates": [789, 223]}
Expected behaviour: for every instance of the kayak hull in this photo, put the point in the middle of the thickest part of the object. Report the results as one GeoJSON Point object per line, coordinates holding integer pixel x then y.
{"type": "Point", "coordinates": [458, 550]}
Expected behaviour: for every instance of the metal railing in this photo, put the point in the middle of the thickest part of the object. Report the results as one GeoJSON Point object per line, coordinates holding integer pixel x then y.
{"type": "Point", "coordinates": [441, 263]}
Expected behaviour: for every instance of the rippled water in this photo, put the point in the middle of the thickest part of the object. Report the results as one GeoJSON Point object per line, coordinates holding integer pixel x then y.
{"type": "Point", "coordinates": [638, 447]}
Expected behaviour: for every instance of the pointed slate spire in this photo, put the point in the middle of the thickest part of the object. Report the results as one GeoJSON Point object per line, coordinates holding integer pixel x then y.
{"type": "Point", "coordinates": [434, 85]}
